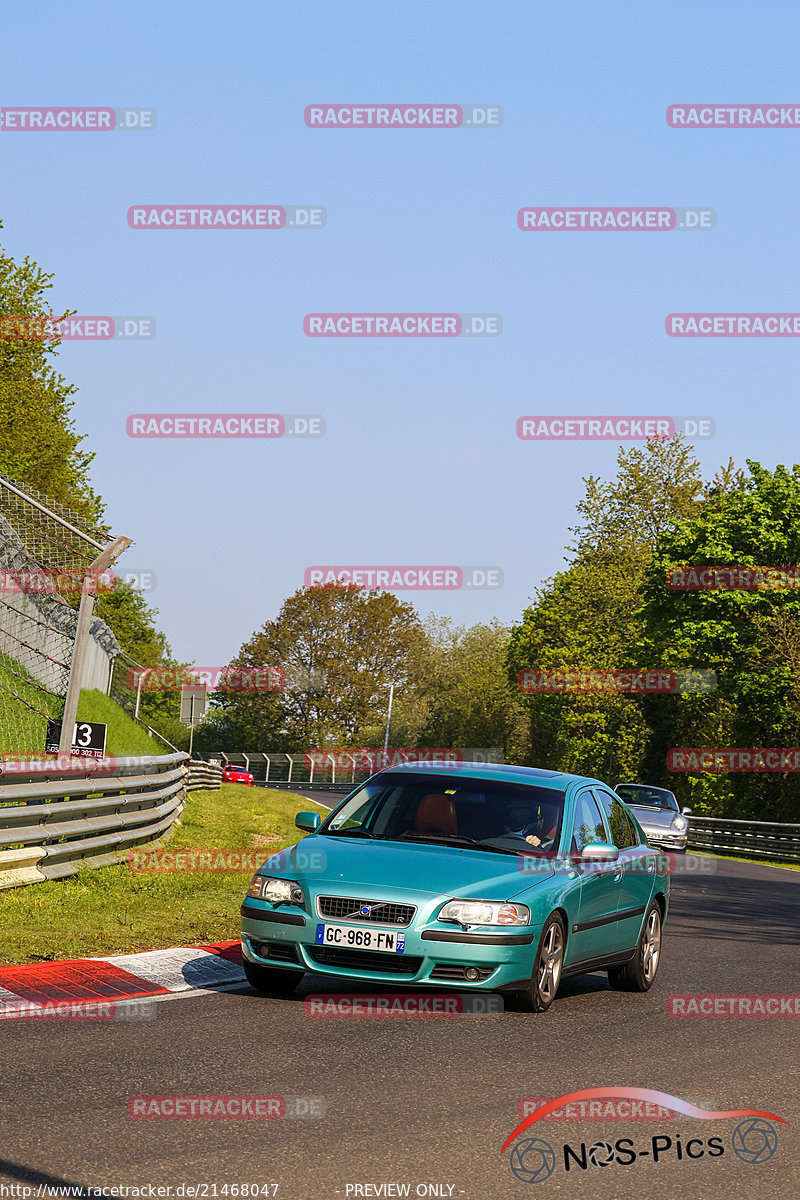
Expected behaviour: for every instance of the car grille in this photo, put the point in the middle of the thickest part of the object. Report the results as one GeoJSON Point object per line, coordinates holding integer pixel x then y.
{"type": "Point", "coordinates": [384, 913]}
{"type": "Point", "coordinates": [364, 960]}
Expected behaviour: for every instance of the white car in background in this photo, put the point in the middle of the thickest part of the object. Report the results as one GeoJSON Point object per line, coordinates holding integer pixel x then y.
{"type": "Point", "coordinates": [656, 810]}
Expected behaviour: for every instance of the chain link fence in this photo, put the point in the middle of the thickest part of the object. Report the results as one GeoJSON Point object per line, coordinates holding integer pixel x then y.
{"type": "Point", "coordinates": [123, 688]}
{"type": "Point", "coordinates": [45, 550]}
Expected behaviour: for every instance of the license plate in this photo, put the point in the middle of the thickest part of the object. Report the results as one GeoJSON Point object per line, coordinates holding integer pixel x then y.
{"type": "Point", "coordinates": [352, 937]}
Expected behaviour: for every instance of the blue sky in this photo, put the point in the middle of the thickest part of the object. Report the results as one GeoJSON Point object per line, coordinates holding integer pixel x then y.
{"type": "Point", "coordinates": [420, 463]}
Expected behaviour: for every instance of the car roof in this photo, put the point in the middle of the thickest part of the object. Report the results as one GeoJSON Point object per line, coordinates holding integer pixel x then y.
{"type": "Point", "coordinates": [647, 787]}
{"type": "Point", "coordinates": [498, 772]}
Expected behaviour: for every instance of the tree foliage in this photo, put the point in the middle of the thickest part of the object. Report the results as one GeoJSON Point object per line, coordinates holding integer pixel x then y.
{"type": "Point", "coordinates": [39, 444]}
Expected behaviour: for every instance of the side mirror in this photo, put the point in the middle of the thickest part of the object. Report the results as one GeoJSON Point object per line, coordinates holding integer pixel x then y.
{"type": "Point", "coordinates": [307, 821]}
{"type": "Point", "coordinates": [599, 852]}
{"type": "Point", "coordinates": [685, 811]}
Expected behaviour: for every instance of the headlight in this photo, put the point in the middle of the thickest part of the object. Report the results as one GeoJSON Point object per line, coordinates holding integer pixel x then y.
{"type": "Point", "coordinates": [277, 891]}
{"type": "Point", "coordinates": [680, 823]}
{"type": "Point", "coordinates": [484, 912]}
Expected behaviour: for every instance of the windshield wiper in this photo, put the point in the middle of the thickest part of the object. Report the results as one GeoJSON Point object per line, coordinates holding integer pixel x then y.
{"type": "Point", "coordinates": [455, 839]}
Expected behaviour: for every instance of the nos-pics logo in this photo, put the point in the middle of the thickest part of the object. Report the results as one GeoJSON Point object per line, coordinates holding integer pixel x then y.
{"type": "Point", "coordinates": [754, 1140]}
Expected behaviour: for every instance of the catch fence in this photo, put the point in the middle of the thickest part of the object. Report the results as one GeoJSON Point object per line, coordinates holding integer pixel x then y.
{"type": "Point", "coordinates": [45, 552]}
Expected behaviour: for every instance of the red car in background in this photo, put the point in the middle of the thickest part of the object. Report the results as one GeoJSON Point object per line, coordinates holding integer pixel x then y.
{"type": "Point", "coordinates": [233, 774]}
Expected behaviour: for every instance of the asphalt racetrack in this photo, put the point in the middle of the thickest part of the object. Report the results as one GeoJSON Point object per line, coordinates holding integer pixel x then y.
{"type": "Point", "coordinates": [413, 1106]}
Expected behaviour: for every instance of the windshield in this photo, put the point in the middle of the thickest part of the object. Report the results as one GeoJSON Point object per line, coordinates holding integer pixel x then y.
{"type": "Point", "coordinates": [637, 793]}
{"type": "Point", "coordinates": [505, 817]}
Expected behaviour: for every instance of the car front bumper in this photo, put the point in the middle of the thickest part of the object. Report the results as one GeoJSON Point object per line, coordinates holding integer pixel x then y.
{"type": "Point", "coordinates": [665, 839]}
{"type": "Point", "coordinates": [436, 956]}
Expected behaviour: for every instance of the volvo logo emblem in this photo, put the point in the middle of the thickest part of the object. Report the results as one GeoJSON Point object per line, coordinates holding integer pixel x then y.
{"type": "Point", "coordinates": [365, 910]}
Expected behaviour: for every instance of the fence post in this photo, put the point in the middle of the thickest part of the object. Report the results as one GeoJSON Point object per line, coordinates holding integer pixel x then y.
{"type": "Point", "coordinates": [100, 564]}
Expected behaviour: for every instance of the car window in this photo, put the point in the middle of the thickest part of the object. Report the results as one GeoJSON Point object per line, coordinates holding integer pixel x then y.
{"type": "Point", "coordinates": [440, 806]}
{"type": "Point", "coordinates": [623, 833]}
{"type": "Point", "coordinates": [587, 825]}
{"type": "Point", "coordinates": [647, 797]}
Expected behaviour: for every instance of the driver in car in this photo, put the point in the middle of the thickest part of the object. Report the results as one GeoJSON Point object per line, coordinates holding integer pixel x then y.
{"type": "Point", "coordinates": [536, 826]}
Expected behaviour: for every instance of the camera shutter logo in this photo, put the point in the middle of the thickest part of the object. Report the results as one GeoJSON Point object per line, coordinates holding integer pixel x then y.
{"type": "Point", "coordinates": [754, 1141]}
{"type": "Point", "coordinates": [532, 1160]}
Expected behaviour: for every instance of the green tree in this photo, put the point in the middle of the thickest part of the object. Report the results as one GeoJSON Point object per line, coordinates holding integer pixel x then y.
{"type": "Point", "coordinates": [340, 647]}
{"type": "Point", "coordinates": [39, 444]}
{"type": "Point", "coordinates": [750, 639]}
{"type": "Point", "coordinates": [586, 616]}
{"type": "Point", "coordinates": [458, 695]}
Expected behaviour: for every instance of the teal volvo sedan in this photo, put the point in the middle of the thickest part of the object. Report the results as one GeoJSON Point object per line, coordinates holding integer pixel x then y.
{"type": "Point", "coordinates": [488, 878]}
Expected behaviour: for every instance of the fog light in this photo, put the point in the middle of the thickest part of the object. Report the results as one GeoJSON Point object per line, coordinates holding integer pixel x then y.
{"type": "Point", "coordinates": [472, 973]}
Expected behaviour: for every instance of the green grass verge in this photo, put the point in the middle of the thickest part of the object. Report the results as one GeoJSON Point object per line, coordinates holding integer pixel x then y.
{"type": "Point", "coordinates": [23, 731]}
{"type": "Point", "coordinates": [124, 738]}
{"type": "Point", "coordinates": [115, 910]}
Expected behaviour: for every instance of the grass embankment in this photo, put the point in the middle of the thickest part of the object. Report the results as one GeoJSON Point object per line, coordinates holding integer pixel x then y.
{"type": "Point", "coordinates": [124, 738]}
{"type": "Point", "coordinates": [23, 731]}
{"type": "Point", "coordinates": [116, 910]}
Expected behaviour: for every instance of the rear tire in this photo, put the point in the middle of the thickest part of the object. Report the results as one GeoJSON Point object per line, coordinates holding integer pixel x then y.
{"type": "Point", "coordinates": [270, 979]}
{"type": "Point", "coordinates": [547, 967]}
{"type": "Point", "coordinates": [639, 974]}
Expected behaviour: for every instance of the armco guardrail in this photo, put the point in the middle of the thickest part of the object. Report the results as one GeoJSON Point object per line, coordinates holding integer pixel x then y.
{"type": "Point", "coordinates": [50, 822]}
{"type": "Point", "coordinates": [203, 776]}
{"type": "Point", "coordinates": [751, 839]}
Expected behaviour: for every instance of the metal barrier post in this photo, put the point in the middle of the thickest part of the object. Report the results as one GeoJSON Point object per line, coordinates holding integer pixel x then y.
{"type": "Point", "coordinates": [95, 568]}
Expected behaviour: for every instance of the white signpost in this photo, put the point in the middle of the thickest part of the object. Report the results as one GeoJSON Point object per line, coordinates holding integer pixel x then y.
{"type": "Point", "coordinates": [193, 708]}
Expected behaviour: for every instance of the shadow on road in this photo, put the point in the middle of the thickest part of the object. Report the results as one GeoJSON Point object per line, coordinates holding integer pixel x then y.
{"type": "Point", "coordinates": [739, 902]}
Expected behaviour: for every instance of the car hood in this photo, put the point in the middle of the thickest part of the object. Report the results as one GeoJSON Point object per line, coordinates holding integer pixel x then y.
{"type": "Point", "coordinates": [419, 868]}
{"type": "Point", "coordinates": [656, 818]}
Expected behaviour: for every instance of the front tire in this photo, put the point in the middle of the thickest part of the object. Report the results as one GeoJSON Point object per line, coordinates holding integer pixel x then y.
{"type": "Point", "coordinates": [270, 979]}
{"type": "Point", "coordinates": [639, 974]}
{"type": "Point", "coordinates": [547, 966]}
